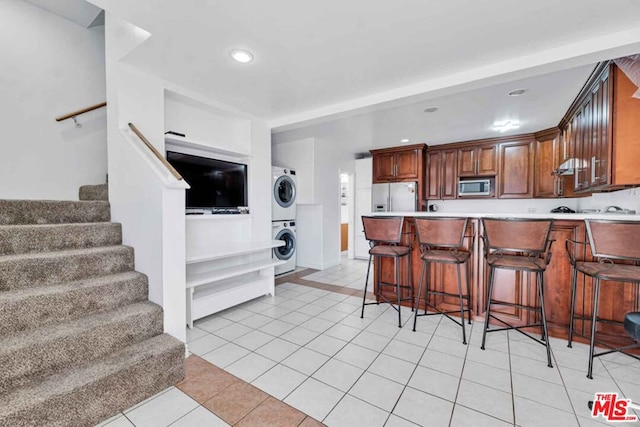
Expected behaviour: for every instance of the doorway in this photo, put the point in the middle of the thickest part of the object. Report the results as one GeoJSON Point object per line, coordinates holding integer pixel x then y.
{"type": "Point", "coordinates": [346, 214]}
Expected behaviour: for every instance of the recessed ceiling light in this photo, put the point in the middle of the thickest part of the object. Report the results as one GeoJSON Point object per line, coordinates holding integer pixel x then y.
{"type": "Point", "coordinates": [242, 56]}
{"type": "Point", "coordinates": [431, 110]}
{"type": "Point", "coordinates": [517, 92]}
{"type": "Point", "coordinates": [404, 140]}
{"type": "Point", "coordinates": [506, 125]}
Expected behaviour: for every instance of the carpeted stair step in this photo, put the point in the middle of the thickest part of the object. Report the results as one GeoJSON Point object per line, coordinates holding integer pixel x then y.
{"type": "Point", "coordinates": [87, 394]}
{"type": "Point", "coordinates": [94, 192]}
{"type": "Point", "coordinates": [20, 239]}
{"type": "Point", "coordinates": [41, 352]}
{"type": "Point", "coordinates": [30, 308]}
{"type": "Point", "coordinates": [52, 212]}
{"type": "Point", "coordinates": [20, 271]}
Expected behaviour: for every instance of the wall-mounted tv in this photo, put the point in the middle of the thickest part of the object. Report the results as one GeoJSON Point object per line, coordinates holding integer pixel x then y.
{"type": "Point", "coordinates": [214, 183]}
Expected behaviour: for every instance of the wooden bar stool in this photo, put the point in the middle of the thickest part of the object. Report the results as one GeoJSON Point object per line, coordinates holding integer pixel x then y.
{"type": "Point", "coordinates": [520, 245]}
{"type": "Point", "coordinates": [616, 252]}
{"type": "Point", "coordinates": [442, 241]}
{"type": "Point", "coordinates": [385, 235]}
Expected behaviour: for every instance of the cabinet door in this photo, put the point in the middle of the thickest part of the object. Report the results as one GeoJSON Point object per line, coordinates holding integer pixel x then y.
{"type": "Point", "coordinates": [487, 160]}
{"type": "Point", "coordinates": [578, 174]}
{"type": "Point", "coordinates": [516, 170]}
{"type": "Point", "coordinates": [601, 150]}
{"type": "Point", "coordinates": [383, 167]}
{"type": "Point", "coordinates": [546, 160]}
{"type": "Point", "coordinates": [434, 173]}
{"type": "Point", "coordinates": [407, 166]}
{"type": "Point", "coordinates": [467, 161]}
{"type": "Point", "coordinates": [449, 176]}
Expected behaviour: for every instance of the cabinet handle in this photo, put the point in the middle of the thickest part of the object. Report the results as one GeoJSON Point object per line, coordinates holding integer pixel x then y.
{"type": "Point", "coordinates": [593, 168]}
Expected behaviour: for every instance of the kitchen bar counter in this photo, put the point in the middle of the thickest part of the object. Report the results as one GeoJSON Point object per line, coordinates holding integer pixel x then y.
{"type": "Point", "coordinates": [556, 216]}
{"type": "Point", "coordinates": [616, 299]}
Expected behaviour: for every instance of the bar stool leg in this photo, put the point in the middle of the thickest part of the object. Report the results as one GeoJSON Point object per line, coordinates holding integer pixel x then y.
{"type": "Point", "coordinates": [397, 266]}
{"type": "Point", "coordinates": [544, 316]}
{"type": "Point", "coordinates": [411, 293]}
{"type": "Point", "coordinates": [427, 281]}
{"type": "Point", "coordinates": [366, 283]}
{"type": "Point", "coordinates": [466, 269]}
{"type": "Point", "coordinates": [486, 315]}
{"type": "Point", "coordinates": [592, 342]}
{"type": "Point", "coordinates": [574, 280]}
{"type": "Point", "coordinates": [464, 333]}
{"type": "Point", "coordinates": [415, 314]}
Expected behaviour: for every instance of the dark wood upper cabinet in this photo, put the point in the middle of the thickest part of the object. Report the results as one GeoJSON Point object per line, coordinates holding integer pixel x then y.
{"type": "Point", "coordinates": [601, 129]}
{"type": "Point", "coordinates": [441, 174]}
{"type": "Point", "coordinates": [480, 160]}
{"type": "Point", "coordinates": [398, 163]}
{"type": "Point", "coordinates": [515, 179]}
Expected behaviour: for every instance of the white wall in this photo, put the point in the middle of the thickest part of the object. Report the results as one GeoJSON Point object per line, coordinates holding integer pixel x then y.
{"type": "Point", "coordinates": [50, 67]}
{"type": "Point", "coordinates": [149, 205]}
{"type": "Point", "coordinates": [299, 156]}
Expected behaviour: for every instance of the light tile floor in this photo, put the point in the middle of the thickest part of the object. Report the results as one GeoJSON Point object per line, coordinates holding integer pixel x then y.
{"type": "Point", "coordinates": [309, 348]}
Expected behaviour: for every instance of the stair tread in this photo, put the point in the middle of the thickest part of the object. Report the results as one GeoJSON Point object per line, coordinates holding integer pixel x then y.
{"type": "Point", "coordinates": [22, 293]}
{"type": "Point", "coordinates": [56, 225]}
{"type": "Point", "coordinates": [53, 211]}
{"type": "Point", "coordinates": [72, 327]}
{"type": "Point", "coordinates": [65, 252]}
{"type": "Point", "coordinates": [77, 377]}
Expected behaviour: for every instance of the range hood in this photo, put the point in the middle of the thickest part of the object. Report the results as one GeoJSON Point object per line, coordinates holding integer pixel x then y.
{"type": "Point", "coordinates": [569, 166]}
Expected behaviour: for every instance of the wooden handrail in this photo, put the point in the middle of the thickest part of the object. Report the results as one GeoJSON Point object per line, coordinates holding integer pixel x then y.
{"type": "Point", "coordinates": [153, 149]}
{"type": "Point", "coordinates": [78, 112]}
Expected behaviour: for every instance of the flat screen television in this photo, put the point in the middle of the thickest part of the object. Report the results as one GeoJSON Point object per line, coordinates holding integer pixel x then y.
{"type": "Point", "coordinates": [214, 183]}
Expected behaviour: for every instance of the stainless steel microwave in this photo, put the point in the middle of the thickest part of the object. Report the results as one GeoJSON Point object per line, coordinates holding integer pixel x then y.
{"type": "Point", "coordinates": [475, 187]}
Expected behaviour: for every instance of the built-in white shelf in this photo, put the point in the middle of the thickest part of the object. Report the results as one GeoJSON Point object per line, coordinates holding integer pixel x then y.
{"type": "Point", "coordinates": [228, 272]}
{"type": "Point", "coordinates": [231, 249]}
{"type": "Point", "coordinates": [179, 141]}
{"type": "Point", "coordinates": [217, 217]}
{"type": "Point", "coordinates": [232, 275]}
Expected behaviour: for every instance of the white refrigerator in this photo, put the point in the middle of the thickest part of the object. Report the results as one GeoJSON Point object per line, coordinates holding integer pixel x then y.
{"type": "Point", "coordinates": [394, 197]}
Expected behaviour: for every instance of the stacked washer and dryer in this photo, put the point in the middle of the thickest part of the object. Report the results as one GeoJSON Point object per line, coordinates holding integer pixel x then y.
{"type": "Point", "coordinates": [283, 217]}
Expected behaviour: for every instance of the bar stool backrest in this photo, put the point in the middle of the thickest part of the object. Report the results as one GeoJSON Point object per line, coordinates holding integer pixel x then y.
{"type": "Point", "coordinates": [383, 229]}
{"type": "Point", "coordinates": [517, 234]}
{"type": "Point", "coordinates": [441, 232]}
{"type": "Point", "coordinates": [614, 239]}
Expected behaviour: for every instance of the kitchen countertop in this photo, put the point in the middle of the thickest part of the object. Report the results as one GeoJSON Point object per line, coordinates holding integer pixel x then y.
{"type": "Point", "coordinates": [557, 216]}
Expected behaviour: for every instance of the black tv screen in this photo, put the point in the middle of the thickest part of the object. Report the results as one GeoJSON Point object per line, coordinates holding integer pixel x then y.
{"type": "Point", "coordinates": [214, 183]}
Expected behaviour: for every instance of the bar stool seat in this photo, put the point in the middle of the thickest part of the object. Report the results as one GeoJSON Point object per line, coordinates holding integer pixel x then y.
{"type": "Point", "coordinates": [515, 262]}
{"type": "Point", "coordinates": [445, 256]}
{"type": "Point", "coordinates": [632, 325]}
{"type": "Point", "coordinates": [606, 271]}
{"type": "Point", "coordinates": [384, 250]}
{"type": "Point", "coordinates": [384, 234]}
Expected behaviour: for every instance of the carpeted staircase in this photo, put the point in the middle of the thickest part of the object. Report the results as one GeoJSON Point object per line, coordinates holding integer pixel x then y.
{"type": "Point", "coordinates": [79, 341]}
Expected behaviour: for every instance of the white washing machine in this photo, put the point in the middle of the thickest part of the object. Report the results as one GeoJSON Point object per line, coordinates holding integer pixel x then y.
{"type": "Point", "coordinates": [284, 193]}
{"type": "Point", "coordinates": [285, 231]}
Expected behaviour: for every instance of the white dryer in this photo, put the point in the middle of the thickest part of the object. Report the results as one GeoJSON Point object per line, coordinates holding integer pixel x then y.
{"type": "Point", "coordinates": [285, 231]}
{"type": "Point", "coordinates": [283, 193]}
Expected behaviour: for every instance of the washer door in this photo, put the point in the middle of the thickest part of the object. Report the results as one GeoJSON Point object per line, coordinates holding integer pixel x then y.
{"type": "Point", "coordinates": [284, 191]}
{"type": "Point", "coordinates": [285, 252]}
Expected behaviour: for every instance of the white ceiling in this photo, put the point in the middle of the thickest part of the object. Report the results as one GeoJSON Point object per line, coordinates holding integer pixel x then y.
{"type": "Point", "coordinates": [79, 11]}
{"type": "Point", "coordinates": [317, 60]}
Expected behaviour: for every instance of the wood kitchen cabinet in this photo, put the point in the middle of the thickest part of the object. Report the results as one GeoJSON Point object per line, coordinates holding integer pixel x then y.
{"type": "Point", "coordinates": [478, 160]}
{"type": "Point", "coordinates": [401, 164]}
{"type": "Point", "coordinates": [601, 130]}
{"type": "Point", "coordinates": [549, 153]}
{"type": "Point", "coordinates": [515, 178]}
{"type": "Point", "coordinates": [398, 164]}
{"type": "Point", "coordinates": [442, 175]}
